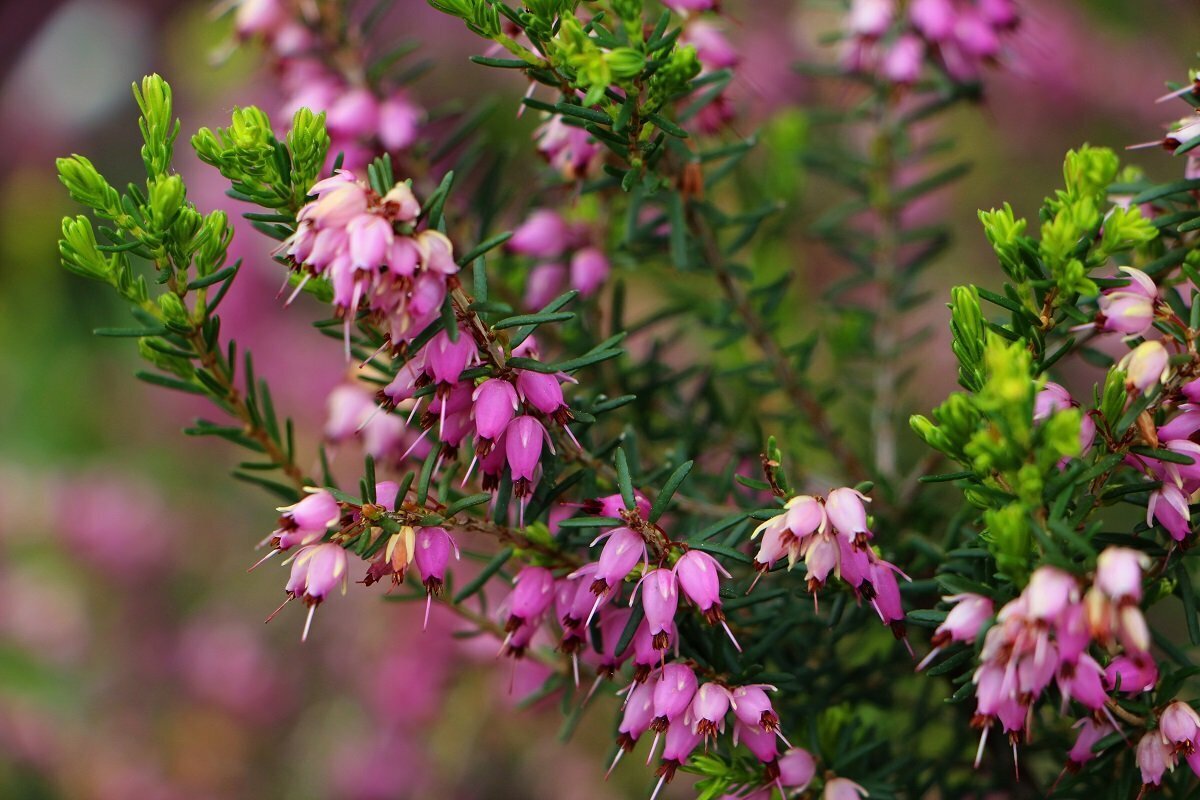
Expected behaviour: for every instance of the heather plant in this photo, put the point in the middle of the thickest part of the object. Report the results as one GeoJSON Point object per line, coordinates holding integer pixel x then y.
{"type": "Point", "coordinates": [603, 422]}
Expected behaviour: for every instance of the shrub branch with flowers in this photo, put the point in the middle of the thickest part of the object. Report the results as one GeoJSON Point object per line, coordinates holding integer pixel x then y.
{"type": "Point", "coordinates": [601, 493]}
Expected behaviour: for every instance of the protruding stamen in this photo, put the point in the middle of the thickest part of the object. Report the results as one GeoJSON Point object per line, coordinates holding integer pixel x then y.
{"type": "Point", "coordinates": [308, 622]}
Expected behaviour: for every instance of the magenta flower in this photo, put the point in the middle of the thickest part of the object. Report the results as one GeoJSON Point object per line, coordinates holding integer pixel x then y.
{"type": "Point", "coordinates": [399, 122]}
{"type": "Point", "coordinates": [933, 18]}
{"type": "Point", "coordinates": [680, 744]}
{"type": "Point", "coordinates": [354, 115]}
{"type": "Point", "coordinates": [699, 580]}
{"type": "Point", "coordinates": [1131, 674]}
{"type": "Point", "coordinates": [570, 149]}
{"type": "Point", "coordinates": [544, 234]}
{"type": "Point", "coordinates": [370, 239]}
{"type": "Point", "coordinates": [524, 437]}
{"type": "Point", "coordinates": [495, 402]}
{"type": "Point", "coordinates": [1119, 574]}
{"type": "Point", "coordinates": [316, 571]}
{"type": "Point", "coordinates": [903, 60]}
{"type": "Point", "coordinates": [713, 49]}
{"type": "Point", "coordinates": [1154, 757]}
{"type": "Point", "coordinates": [1083, 681]}
{"type": "Point", "coordinates": [1049, 592]}
{"type": "Point", "coordinates": [1130, 309]}
{"type": "Point", "coordinates": [962, 623]}
{"type": "Point", "coordinates": [544, 393]}
{"type": "Point", "coordinates": [797, 768]}
{"type": "Point", "coordinates": [753, 708]}
{"type": "Point", "coordinates": [660, 599]}
{"type": "Point", "coordinates": [870, 19]}
{"type": "Point", "coordinates": [620, 553]}
{"type": "Point", "coordinates": [532, 595]}
{"type": "Point", "coordinates": [431, 554]}
{"type": "Point", "coordinates": [589, 270]}
{"type": "Point", "coordinates": [1179, 725]}
{"type": "Point", "coordinates": [847, 513]}
{"type": "Point", "coordinates": [1168, 507]}
{"type": "Point", "coordinates": [1146, 366]}
{"type": "Point", "coordinates": [673, 693]}
{"type": "Point", "coordinates": [1090, 732]}
{"type": "Point", "coordinates": [708, 710]}
{"type": "Point", "coordinates": [761, 743]}
{"type": "Point", "coordinates": [639, 711]}
{"type": "Point", "coordinates": [843, 789]}
{"type": "Point", "coordinates": [445, 359]}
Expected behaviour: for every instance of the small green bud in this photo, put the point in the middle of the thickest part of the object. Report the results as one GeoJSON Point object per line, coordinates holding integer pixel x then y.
{"type": "Point", "coordinates": [87, 186]}
{"type": "Point", "coordinates": [215, 237]}
{"type": "Point", "coordinates": [625, 62]}
{"type": "Point", "coordinates": [1125, 229]}
{"type": "Point", "coordinates": [79, 251]}
{"type": "Point", "coordinates": [1006, 232]}
{"type": "Point", "coordinates": [159, 128]}
{"type": "Point", "coordinates": [167, 196]}
{"type": "Point", "coordinates": [1010, 540]}
{"type": "Point", "coordinates": [176, 365]}
{"type": "Point", "coordinates": [250, 130]}
{"type": "Point", "coordinates": [308, 142]}
{"type": "Point", "coordinates": [1089, 170]}
{"type": "Point", "coordinates": [672, 77]}
{"type": "Point", "coordinates": [174, 311]}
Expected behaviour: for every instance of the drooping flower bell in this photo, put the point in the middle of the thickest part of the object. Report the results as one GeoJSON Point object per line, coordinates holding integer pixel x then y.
{"type": "Point", "coordinates": [962, 623]}
{"type": "Point", "coordinates": [797, 768]}
{"type": "Point", "coordinates": [495, 403]}
{"type": "Point", "coordinates": [532, 594]}
{"type": "Point", "coordinates": [708, 710]}
{"type": "Point", "coordinates": [660, 599]}
{"type": "Point", "coordinates": [698, 578]}
{"type": "Point", "coordinates": [431, 554]}
{"type": "Point", "coordinates": [317, 570]}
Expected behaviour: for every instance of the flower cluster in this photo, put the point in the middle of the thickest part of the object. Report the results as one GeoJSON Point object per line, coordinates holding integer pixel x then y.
{"type": "Point", "coordinates": [1178, 735]}
{"type": "Point", "coordinates": [960, 36]}
{"type": "Point", "coordinates": [1044, 636]}
{"type": "Point", "coordinates": [565, 255]}
{"type": "Point", "coordinates": [363, 120]}
{"type": "Point", "coordinates": [831, 535]}
{"type": "Point", "coordinates": [367, 247]}
{"type": "Point", "coordinates": [320, 566]}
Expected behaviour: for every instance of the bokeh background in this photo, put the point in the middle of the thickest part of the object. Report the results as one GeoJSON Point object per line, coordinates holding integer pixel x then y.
{"type": "Point", "coordinates": [133, 659]}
